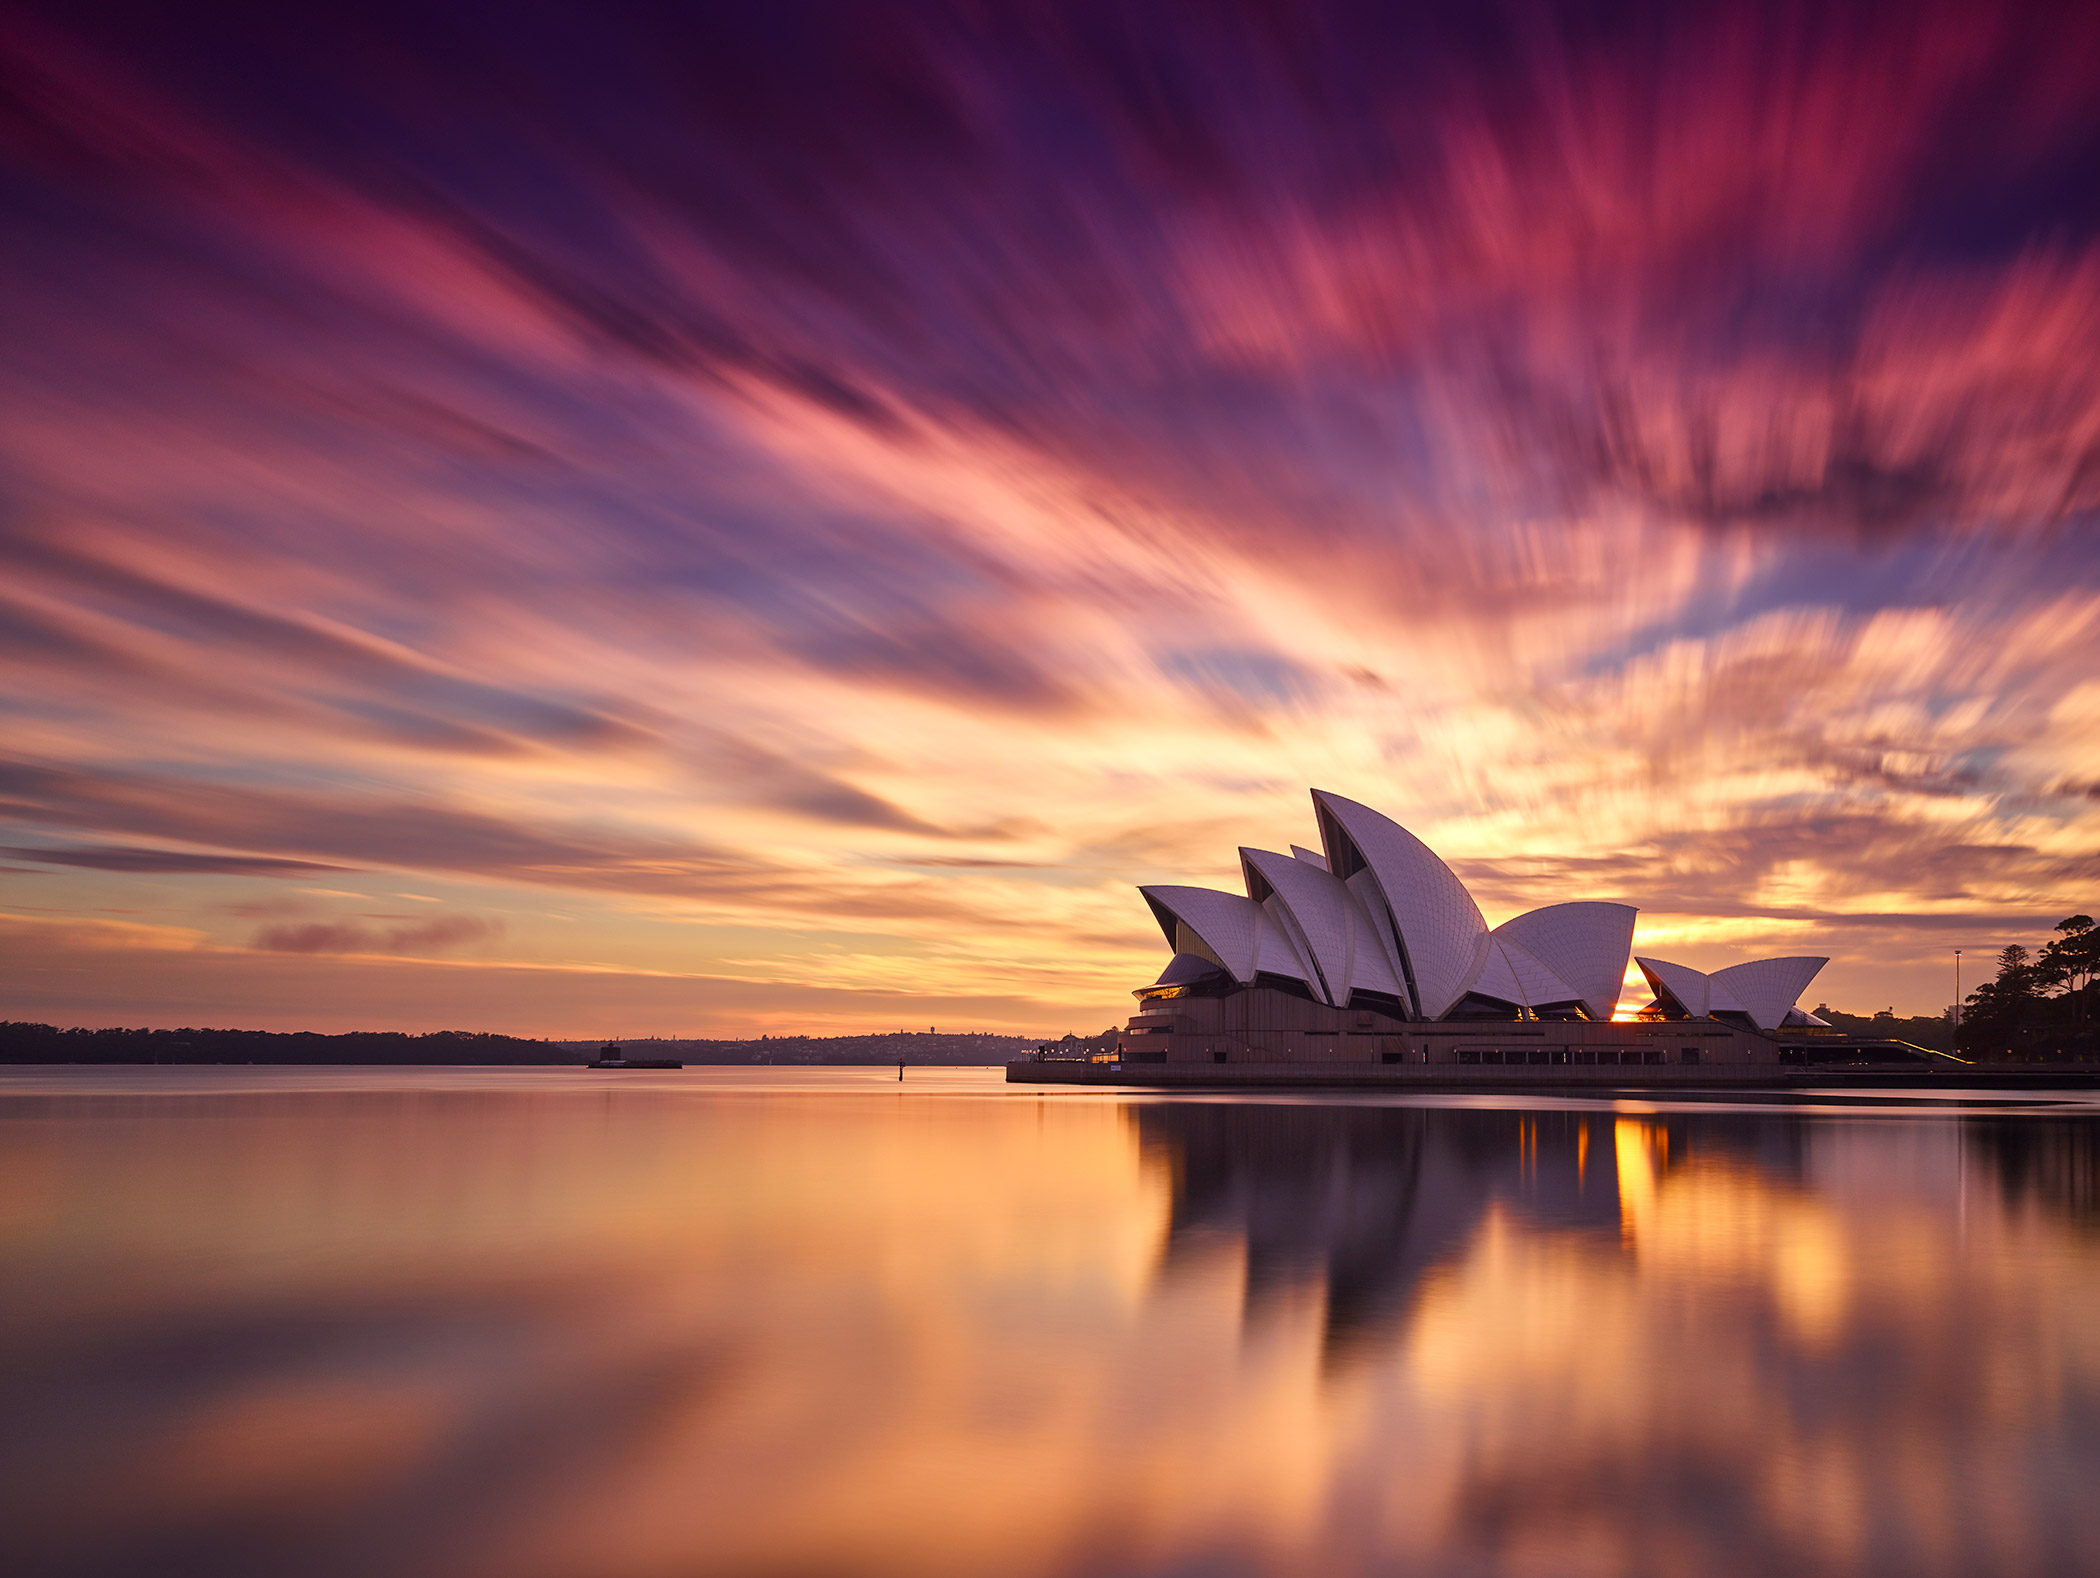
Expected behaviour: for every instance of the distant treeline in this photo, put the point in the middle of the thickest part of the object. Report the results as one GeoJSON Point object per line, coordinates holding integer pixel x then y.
{"type": "Point", "coordinates": [29, 1043]}
{"type": "Point", "coordinates": [952, 1050]}
{"type": "Point", "coordinates": [33, 1043]}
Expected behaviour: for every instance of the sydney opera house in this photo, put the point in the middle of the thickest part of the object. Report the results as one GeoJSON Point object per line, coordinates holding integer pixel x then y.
{"type": "Point", "coordinates": [1370, 951]}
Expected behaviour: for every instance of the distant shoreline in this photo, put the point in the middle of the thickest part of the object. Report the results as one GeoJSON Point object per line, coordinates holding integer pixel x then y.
{"type": "Point", "coordinates": [23, 1043]}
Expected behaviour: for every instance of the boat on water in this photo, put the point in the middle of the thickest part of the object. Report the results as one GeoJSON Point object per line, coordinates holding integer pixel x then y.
{"type": "Point", "coordinates": [612, 1056]}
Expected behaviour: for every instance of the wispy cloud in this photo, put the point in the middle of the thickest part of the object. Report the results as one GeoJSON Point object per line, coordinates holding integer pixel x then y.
{"type": "Point", "coordinates": [163, 862]}
{"type": "Point", "coordinates": [842, 488]}
{"type": "Point", "coordinates": [436, 936]}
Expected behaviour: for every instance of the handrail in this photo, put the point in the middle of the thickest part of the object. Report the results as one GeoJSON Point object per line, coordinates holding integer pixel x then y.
{"type": "Point", "coordinates": [1966, 1062]}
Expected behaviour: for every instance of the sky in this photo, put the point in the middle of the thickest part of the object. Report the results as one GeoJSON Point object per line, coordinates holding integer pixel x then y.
{"type": "Point", "coordinates": [648, 519]}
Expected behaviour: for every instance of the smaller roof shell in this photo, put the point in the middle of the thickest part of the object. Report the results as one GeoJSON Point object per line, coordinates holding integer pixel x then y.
{"type": "Point", "coordinates": [1323, 918]}
{"type": "Point", "coordinates": [1186, 967]}
{"type": "Point", "coordinates": [1584, 943]}
{"type": "Point", "coordinates": [1442, 934]}
{"type": "Point", "coordinates": [1701, 995]}
{"type": "Point", "coordinates": [1512, 976]}
{"type": "Point", "coordinates": [1230, 925]}
{"type": "Point", "coordinates": [1767, 988]}
{"type": "Point", "coordinates": [1690, 989]}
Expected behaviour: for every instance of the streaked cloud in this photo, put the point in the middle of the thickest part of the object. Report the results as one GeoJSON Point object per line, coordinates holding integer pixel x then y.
{"type": "Point", "coordinates": [436, 936]}
{"type": "Point", "coordinates": [164, 862]}
{"type": "Point", "coordinates": [849, 496]}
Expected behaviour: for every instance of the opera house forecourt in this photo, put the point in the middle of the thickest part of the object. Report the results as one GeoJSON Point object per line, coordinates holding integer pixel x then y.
{"type": "Point", "coordinates": [1368, 962]}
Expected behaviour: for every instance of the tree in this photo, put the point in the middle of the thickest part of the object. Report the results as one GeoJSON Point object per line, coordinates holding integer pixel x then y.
{"type": "Point", "coordinates": [2071, 960]}
{"type": "Point", "coordinates": [1996, 1010]}
{"type": "Point", "coordinates": [2039, 1002]}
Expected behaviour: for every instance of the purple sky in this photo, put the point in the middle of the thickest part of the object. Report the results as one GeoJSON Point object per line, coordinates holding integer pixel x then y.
{"type": "Point", "coordinates": [707, 519]}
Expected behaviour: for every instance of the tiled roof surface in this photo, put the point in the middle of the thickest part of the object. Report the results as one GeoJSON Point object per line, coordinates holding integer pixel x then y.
{"type": "Point", "coordinates": [1585, 944]}
{"type": "Point", "coordinates": [1441, 927]}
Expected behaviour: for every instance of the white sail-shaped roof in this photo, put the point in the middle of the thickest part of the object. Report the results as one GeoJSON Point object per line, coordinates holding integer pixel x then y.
{"type": "Point", "coordinates": [1512, 976]}
{"type": "Point", "coordinates": [1227, 926]}
{"type": "Point", "coordinates": [1697, 993]}
{"type": "Point", "coordinates": [1690, 989]}
{"type": "Point", "coordinates": [1542, 986]}
{"type": "Point", "coordinates": [1186, 967]}
{"type": "Point", "coordinates": [1324, 919]}
{"type": "Point", "coordinates": [1442, 936]}
{"type": "Point", "coordinates": [1496, 980]}
{"type": "Point", "coordinates": [1767, 988]}
{"type": "Point", "coordinates": [1370, 903]}
{"type": "Point", "coordinates": [1380, 913]}
{"type": "Point", "coordinates": [1312, 907]}
{"type": "Point", "coordinates": [1764, 989]}
{"type": "Point", "coordinates": [1371, 966]}
{"type": "Point", "coordinates": [1583, 943]}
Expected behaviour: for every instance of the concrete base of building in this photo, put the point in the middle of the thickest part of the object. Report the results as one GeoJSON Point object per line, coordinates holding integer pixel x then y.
{"type": "Point", "coordinates": [1561, 1079]}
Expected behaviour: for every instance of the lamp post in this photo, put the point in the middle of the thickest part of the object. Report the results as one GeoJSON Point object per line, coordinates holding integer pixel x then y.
{"type": "Point", "coordinates": [1957, 999]}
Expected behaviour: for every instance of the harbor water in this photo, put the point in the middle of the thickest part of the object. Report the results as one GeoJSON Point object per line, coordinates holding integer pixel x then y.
{"type": "Point", "coordinates": [554, 1323]}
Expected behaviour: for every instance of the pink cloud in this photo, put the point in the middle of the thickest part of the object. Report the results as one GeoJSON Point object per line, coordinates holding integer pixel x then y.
{"type": "Point", "coordinates": [911, 504]}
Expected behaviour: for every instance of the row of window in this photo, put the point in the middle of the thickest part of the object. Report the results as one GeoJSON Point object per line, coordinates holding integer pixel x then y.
{"type": "Point", "coordinates": [1552, 1055]}
{"type": "Point", "coordinates": [1476, 1055]}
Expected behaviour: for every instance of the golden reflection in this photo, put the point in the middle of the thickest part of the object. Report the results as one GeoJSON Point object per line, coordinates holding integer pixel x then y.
{"type": "Point", "coordinates": [630, 1333]}
{"type": "Point", "coordinates": [1630, 1148]}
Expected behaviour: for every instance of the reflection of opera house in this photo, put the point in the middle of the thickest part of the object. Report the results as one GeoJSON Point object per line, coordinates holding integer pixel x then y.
{"type": "Point", "coordinates": [1373, 954]}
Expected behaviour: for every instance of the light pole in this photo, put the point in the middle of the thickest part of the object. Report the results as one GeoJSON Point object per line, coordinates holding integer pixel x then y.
{"type": "Point", "coordinates": [1957, 999]}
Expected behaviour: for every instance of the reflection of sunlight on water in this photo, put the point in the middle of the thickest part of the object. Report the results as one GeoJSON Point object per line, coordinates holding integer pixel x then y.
{"type": "Point", "coordinates": [557, 1335]}
{"type": "Point", "coordinates": [1714, 1222]}
{"type": "Point", "coordinates": [1630, 1142]}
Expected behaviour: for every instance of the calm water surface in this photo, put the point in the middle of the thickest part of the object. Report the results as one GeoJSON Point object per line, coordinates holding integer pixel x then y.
{"type": "Point", "coordinates": [555, 1324]}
